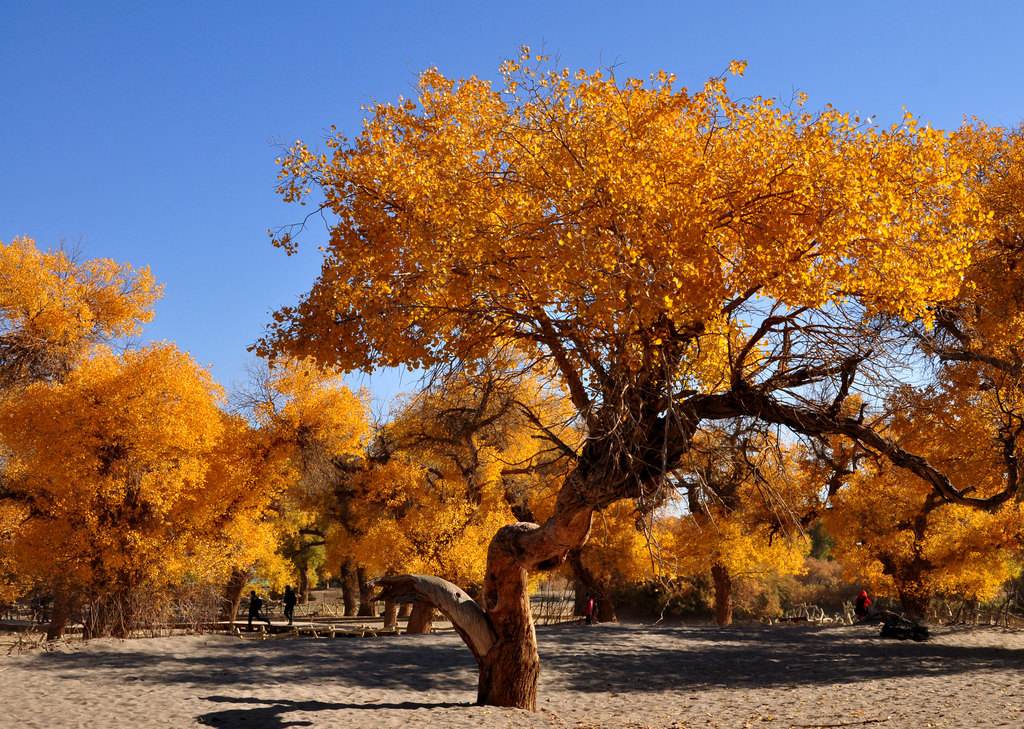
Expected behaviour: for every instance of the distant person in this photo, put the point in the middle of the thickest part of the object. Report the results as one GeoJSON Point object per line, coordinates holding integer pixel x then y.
{"type": "Point", "coordinates": [255, 603]}
{"type": "Point", "coordinates": [589, 610]}
{"type": "Point", "coordinates": [862, 607]}
{"type": "Point", "coordinates": [289, 603]}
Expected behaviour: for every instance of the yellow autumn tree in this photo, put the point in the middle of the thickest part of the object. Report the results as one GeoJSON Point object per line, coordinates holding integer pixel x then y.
{"type": "Point", "coordinates": [110, 467]}
{"type": "Point", "coordinates": [895, 534]}
{"type": "Point", "coordinates": [743, 503]}
{"type": "Point", "coordinates": [673, 255]}
{"type": "Point", "coordinates": [309, 430]}
{"type": "Point", "coordinates": [53, 307]}
{"type": "Point", "coordinates": [458, 461]}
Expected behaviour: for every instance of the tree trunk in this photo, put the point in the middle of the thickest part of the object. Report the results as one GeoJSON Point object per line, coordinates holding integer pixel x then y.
{"type": "Point", "coordinates": [303, 588]}
{"type": "Point", "coordinates": [233, 594]}
{"type": "Point", "coordinates": [499, 630]}
{"type": "Point", "coordinates": [915, 598]}
{"type": "Point", "coordinates": [405, 610]}
{"type": "Point", "coordinates": [510, 669]}
{"type": "Point", "coordinates": [421, 619]}
{"type": "Point", "coordinates": [580, 592]}
{"type": "Point", "coordinates": [349, 588]}
{"type": "Point", "coordinates": [390, 614]}
{"type": "Point", "coordinates": [584, 578]}
{"type": "Point", "coordinates": [366, 603]}
{"type": "Point", "coordinates": [723, 593]}
{"type": "Point", "coordinates": [60, 615]}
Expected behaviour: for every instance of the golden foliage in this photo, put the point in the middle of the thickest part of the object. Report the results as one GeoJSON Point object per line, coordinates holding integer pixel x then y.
{"type": "Point", "coordinates": [892, 531]}
{"type": "Point", "coordinates": [623, 211]}
{"type": "Point", "coordinates": [53, 307]}
{"type": "Point", "coordinates": [111, 466]}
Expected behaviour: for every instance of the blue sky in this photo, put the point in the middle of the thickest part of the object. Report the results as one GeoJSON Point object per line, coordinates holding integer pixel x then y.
{"type": "Point", "coordinates": [146, 132]}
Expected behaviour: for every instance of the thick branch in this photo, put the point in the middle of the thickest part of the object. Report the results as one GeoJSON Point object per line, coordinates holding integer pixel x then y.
{"type": "Point", "coordinates": [753, 403]}
{"type": "Point", "coordinates": [465, 615]}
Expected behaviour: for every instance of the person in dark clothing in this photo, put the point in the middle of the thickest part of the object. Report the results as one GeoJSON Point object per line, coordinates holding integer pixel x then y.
{"type": "Point", "coordinates": [255, 603]}
{"type": "Point", "coordinates": [862, 607]}
{"type": "Point", "coordinates": [289, 603]}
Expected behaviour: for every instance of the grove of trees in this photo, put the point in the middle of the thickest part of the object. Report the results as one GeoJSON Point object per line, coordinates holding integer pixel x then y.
{"type": "Point", "coordinates": [663, 333]}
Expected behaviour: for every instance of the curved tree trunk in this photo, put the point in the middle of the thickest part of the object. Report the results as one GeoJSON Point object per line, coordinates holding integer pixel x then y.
{"type": "Point", "coordinates": [233, 594]}
{"type": "Point", "coordinates": [723, 593]}
{"type": "Point", "coordinates": [421, 619]}
{"type": "Point", "coordinates": [390, 614]}
{"type": "Point", "coordinates": [366, 602]}
{"type": "Point", "coordinates": [579, 599]}
{"type": "Point", "coordinates": [500, 631]}
{"type": "Point", "coordinates": [349, 588]}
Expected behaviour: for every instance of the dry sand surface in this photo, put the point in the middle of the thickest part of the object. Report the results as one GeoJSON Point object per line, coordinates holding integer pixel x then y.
{"type": "Point", "coordinates": [604, 676]}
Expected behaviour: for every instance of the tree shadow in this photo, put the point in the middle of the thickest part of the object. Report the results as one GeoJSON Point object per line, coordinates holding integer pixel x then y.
{"type": "Point", "coordinates": [574, 657]}
{"type": "Point", "coordinates": [667, 659]}
{"type": "Point", "coordinates": [402, 662]}
{"type": "Point", "coordinates": [270, 714]}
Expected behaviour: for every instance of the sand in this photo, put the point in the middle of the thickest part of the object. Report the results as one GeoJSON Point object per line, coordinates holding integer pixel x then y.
{"type": "Point", "coordinates": [601, 676]}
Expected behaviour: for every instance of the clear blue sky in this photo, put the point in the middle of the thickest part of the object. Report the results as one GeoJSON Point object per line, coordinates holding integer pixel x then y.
{"type": "Point", "coordinates": [146, 131]}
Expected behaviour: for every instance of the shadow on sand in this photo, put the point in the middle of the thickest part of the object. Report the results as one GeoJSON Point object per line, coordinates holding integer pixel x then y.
{"type": "Point", "coordinates": [270, 714]}
{"type": "Point", "coordinates": [605, 658]}
{"type": "Point", "coordinates": [752, 657]}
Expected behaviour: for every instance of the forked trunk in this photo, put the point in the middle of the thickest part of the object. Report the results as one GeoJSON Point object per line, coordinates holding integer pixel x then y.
{"type": "Point", "coordinates": [421, 619]}
{"type": "Point", "coordinates": [233, 593]}
{"type": "Point", "coordinates": [390, 614]}
{"type": "Point", "coordinates": [366, 606]}
{"type": "Point", "coordinates": [723, 593]}
{"type": "Point", "coordinates": [349, 588]}
{"type": "Point", "coordinates": [510, 669]}
{"type": "Point", "coordinates": [499, 630]}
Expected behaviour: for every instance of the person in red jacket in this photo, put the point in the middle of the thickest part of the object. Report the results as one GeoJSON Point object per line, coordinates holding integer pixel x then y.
{"type": "Point", "coordinates": [862, 607]}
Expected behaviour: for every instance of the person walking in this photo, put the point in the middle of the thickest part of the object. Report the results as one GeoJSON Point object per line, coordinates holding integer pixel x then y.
{"type": "Point", "coordinates": [289, 603]}
{"type": "Point", "coordinates": [255, 603]}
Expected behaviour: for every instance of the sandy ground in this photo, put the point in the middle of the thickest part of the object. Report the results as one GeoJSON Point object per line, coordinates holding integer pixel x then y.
{"type": "Point", "coordinates": [602, 676]}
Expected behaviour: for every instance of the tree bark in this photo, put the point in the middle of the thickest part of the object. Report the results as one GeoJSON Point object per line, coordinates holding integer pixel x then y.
{"type": "Point", "coordinates": [367, 608]}
{"type": "Point", "coordinates": [915, 598]}
{"type": "Point", "coordinates": [405, 610]}
{"type": "Point", "coordinates": [390, 614]}
{"type": "Point", "coordinates": [349, 588]}
{"type": "Point", "coordinates": [584, 578]}
{"type": "Point", "coordinates": [723, 593]}
{"type": "Point", "coordinates": [303, 588]}
{"type": "Point", "coordinates": [421, 619]}
{"type": "Point", "coordinates": [233, 594]}
{"type": "Point", "coordinates": [579, 600]}
{"type": "Point", "coordinates": [60, 615]}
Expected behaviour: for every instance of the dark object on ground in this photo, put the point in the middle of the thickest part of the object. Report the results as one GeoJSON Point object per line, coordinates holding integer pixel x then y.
{"type": "Point", "coordinates": [896, 626]}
